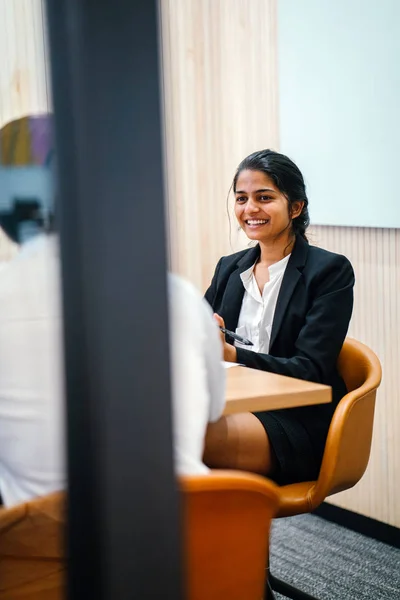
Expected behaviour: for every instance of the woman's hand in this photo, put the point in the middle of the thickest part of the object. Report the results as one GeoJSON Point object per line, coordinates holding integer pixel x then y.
{"type": "Point", "coordinates": [229, 350]}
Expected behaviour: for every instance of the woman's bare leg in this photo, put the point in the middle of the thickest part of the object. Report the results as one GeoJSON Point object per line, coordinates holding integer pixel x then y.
{"type": "Point", "coordinates": [239, 441]}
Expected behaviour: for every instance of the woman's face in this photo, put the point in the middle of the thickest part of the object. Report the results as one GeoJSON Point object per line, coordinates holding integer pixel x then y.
{"type": "Point", "coordinates": [260, 207]}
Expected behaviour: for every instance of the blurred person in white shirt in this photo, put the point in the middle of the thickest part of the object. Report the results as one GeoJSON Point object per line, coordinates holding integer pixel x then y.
{"type": "Point", "coordinates": [32, 439]}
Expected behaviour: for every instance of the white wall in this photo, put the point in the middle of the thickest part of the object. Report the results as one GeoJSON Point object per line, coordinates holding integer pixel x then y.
{"type": "Point", "coordinates": [339, 109]}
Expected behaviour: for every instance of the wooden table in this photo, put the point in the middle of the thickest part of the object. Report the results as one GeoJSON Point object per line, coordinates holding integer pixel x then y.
{"type": "Point", "coordinates": [250, 390]}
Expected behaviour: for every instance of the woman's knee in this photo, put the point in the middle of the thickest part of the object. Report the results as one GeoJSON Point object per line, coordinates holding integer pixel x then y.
{"type": "Point", "coordinates": [239, 442]}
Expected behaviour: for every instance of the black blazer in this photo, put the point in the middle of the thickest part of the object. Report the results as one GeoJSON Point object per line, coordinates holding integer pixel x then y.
{"type": "Point", "coordinates": [311, 318]}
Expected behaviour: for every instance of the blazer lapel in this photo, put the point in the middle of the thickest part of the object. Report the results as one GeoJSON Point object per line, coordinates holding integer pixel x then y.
{"type": "Point", "coordinates": [234, 291]}
{"type": "Point", "coordinates": [289, 282]}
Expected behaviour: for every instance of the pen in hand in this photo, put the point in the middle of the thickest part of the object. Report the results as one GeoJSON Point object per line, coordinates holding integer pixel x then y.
{"type": "Point", "coordinates": [236, 337]}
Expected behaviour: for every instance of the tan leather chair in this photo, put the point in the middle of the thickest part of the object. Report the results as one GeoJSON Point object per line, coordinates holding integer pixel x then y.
{"type": "Point", "coordinates": [348, 443]}
{"type": "Point", "coordinates": [32, 566]}
{"type": "Point", "coordinates": [226, 524]}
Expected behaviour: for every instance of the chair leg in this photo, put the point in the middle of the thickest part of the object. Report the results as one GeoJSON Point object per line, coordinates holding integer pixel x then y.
{"type": "Point", "coordinates": [281, 587]}
{"type": "Point", "coordinates": [268, 594]}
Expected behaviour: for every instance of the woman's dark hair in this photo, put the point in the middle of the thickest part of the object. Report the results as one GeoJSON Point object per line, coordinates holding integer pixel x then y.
{"type": "Point", "coordinates": [286, 176]}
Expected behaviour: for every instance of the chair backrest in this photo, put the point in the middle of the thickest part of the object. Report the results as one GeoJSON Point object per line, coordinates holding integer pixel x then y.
{"type": "Point", "coordinates": [226, 524]}
{"type": "Point", "coordinates": [349, 439]}
{"type": "Point", "coordinates": [32, 564]}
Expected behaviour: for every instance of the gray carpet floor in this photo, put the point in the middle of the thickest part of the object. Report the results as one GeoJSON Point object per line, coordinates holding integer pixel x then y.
{"type": "Point", "coordinates": [331, 562]}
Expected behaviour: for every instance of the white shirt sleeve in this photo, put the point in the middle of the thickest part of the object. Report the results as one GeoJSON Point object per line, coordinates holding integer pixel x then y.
{"type": "Point", "coordinates": [197, 373]}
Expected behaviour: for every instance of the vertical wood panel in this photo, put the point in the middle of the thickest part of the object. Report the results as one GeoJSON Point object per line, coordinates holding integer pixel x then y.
{"type": "Point", "coordinates": [220, 104]}
{"type": "Point", "coordinates": [23, 60]}
{"type": "Point", "coordinates": [375, 255]}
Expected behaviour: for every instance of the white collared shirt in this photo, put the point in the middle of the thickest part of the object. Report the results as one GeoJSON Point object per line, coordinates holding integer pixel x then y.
{"type": "Point", "coordinates": [257, 312]}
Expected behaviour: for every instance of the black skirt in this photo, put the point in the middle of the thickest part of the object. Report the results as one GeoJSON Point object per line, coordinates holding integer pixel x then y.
{"type": "Point", "coordinates": [297, 437]}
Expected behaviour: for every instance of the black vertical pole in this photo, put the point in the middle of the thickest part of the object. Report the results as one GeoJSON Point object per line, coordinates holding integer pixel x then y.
{"type": "Point", "coordinates": [123, 534]}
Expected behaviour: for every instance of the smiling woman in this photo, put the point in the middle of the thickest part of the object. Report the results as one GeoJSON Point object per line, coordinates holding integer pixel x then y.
{"type": "Point", "coordinates": [268, 186]}
{"type": "Point", "coordinates": [294, 302]}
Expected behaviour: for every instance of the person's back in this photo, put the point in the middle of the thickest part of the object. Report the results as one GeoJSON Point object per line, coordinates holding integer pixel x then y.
{"type": "Point", "coordinates": [31, 379]}
{"type": "Point", "coordinates": [31, 376]}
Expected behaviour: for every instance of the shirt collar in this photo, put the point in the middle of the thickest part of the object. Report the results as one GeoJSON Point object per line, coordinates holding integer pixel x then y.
{"type": "Point", "coordinates": [275, 269]}
{"type": "Point", "coordinates": [278, 267]}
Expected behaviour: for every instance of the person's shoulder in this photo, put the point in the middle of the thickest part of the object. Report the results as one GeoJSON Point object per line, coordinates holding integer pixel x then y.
{"type": "Point", "coordinates": [35, 265]}
{"type": "Point", "coordinates": [232, 259]}
{"type": "Point", "coordinates": [322, 257]}
{"type": "Point", "coordinates": [182, 289]}
{"type": "Point", "coordinates": [190, 315]}
{"type": "Point", "coordinates": [328, 268]}
{"type": "Point", "coordinates": [183, 294]}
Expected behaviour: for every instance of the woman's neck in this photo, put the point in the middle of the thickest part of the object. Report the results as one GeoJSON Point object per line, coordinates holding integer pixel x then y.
{"type": "Point", "coordinates": [276, 250]}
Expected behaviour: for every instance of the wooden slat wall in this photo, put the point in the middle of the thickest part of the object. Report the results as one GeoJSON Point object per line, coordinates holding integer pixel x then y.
{"type": "Point", "coordinates": [24, 87]}
{"type": "Point", "coordinates": [220, 90]}
{"type": "Point", "coordinates": [220, 105]}
{"type": "Point", "coordinates": [375, 255]}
